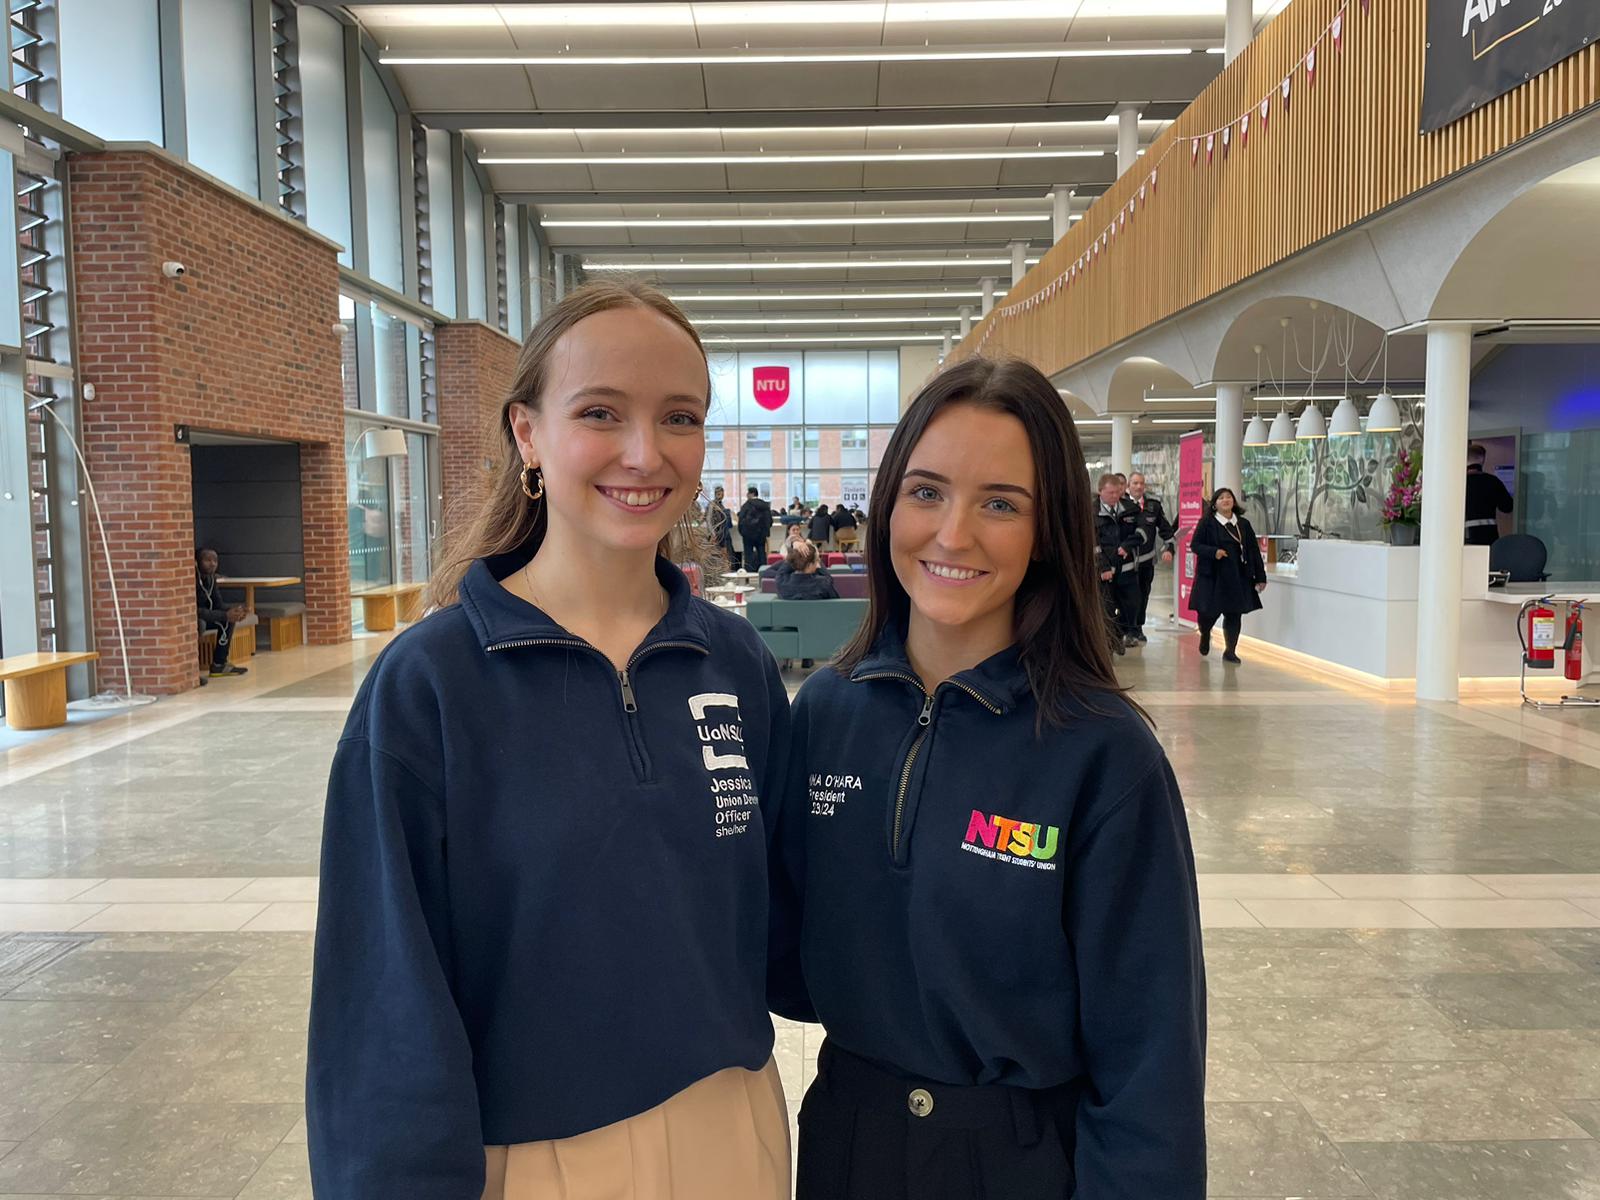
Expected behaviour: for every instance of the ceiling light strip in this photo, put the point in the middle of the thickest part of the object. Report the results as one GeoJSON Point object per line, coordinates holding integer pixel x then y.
{"type": "Point", "coordinates": [789, 297]}
{"type": "Point", "coordinates": [864, 264]}
{"type": "Point", "coordinates": [746, 157]}
{"type": "Point", "coordinates": [784, 222]}
{"type": "Point", "coordinates": [826, 319]}
{"type": "Point", "coordinates": [737, 58]}
{"type": "Point", "coordinates": [759, 339]}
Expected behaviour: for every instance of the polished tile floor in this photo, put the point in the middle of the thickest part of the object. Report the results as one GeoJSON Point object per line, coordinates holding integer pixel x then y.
{"type": "Point", "coordinates": [1402, 906]}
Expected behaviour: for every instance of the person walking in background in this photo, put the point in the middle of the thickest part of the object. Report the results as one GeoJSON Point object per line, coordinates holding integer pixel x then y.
{"type": "Point", "coordinates": [719, 524]}
{"type": "Point", "coordinates": [755, 527]}
{"type": "Point", "coordinates": [821, 526]}
{"type": "Point", "coordinates": [1486, 496]}
{"type": "Point", "coordinates": [214, 614]}
{"type": "Point", "coordinates": [1118, 541]}
{"type": "Point", "coordinates": [1157, 536]}
{"type": "Point", "coordinates": [999, 928]}
{"type": "Point", "coordinates": [1229, 574]}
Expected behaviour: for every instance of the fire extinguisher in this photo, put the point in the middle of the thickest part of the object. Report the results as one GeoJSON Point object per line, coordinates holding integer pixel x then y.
{"type": "Point", "coordinates": [1539, 637]}
{"type": "Point", "coordinates": [1574, 643]}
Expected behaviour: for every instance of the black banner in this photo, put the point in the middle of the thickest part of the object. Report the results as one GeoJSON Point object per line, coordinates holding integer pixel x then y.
{"type": "Point", "coordinates": [1480, 49]}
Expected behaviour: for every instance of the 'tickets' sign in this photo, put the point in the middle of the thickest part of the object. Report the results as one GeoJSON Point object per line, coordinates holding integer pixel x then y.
{"type": "Point", "coordinates": [1480, 49]}
{"type": "Point", "coordinates": [771, 386]}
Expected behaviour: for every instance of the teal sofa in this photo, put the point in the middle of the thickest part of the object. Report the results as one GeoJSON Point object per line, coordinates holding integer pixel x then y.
{"type": "Point", "coordinates": [797, 629]}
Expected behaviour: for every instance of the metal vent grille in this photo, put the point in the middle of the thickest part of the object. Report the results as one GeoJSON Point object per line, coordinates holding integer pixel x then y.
{"type": "Point", "coordinates": [287, 110]}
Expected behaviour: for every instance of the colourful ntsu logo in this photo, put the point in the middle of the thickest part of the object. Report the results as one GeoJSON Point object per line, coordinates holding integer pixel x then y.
{"type": "Point", "coordinates": [1023, 838]}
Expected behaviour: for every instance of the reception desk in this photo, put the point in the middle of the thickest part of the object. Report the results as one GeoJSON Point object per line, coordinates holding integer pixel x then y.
{"type": "Point", "coordinates": [1354, 606]}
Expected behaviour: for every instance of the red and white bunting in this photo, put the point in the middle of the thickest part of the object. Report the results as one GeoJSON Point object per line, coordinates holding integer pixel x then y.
{"type": "Point", "coordinates": [1211, 145]}
{"type": "Point", "coordinates": [1227, 139]}
{"type": "Point", "coordinates": [1152, 181]}
{"type": "Point", "coordinates": [1288, 83]}
{"type": "Point", "coordinates": [1338, 27]}
{"type": "Point", "coordinates": [1141, 193]}
{"type": "Point", "coordinates": [1311, 67]}
{"type": "Point", "coordinates": [1265, 110]}
{"type": "Point", "coordinates": [1244, 130]}
{"type": "Point", "coordinates": [1194, 151]}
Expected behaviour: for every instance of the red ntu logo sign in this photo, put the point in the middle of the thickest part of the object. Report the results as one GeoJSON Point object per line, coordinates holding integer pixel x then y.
{"type": "Point", "coordinates": [771, 385]}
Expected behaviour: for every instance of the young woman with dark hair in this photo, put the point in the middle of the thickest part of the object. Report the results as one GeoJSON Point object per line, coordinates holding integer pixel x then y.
{"type": "Point", "coordinates": [998, 918]}
{"type": "Point", "coordinates": [1229, 574]}
{"type": "Point", "coordinates": [541, 945]}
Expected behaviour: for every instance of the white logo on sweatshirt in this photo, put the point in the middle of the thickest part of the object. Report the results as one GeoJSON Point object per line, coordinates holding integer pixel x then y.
{"type": "Point", "coordinates": [733, 797]}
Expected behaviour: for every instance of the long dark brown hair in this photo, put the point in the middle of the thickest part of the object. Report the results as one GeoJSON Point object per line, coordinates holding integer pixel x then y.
{"type": "Point", "coordinates": [1061, 625]}
{"type": "Point", "coordinates": [504, 519]}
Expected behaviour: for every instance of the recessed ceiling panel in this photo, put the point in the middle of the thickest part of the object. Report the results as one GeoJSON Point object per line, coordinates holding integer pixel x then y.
{"type": "Point", "coordinates": [796, 86]}
{"type": "Point", "coordinates": [633, 88]}
{"type": "Point", "coordinates": [1024, 82]}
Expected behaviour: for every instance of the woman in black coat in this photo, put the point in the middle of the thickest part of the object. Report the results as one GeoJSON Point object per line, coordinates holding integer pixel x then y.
{"type": "Point", "coordinates": [1229, 574]}
{"type": "Point", "coordinates": [821, 525]}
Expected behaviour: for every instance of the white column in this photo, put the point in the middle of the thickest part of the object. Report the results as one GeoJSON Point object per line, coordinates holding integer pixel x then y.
{"type": "Point", "coordinates": [1444, 499]}
{"type": "Point", "coordinates": [560, 274]}
{"type": "Point", "coordinates": [966, 319]}
{"type": "Point", "coordinates": [1127, 140]}
{"type": "Point", "coordinates": [1228, 468]}
{"type": "Point", "coordinates": [1238, 29]}
{"type": "Point", "coordinates": [987, 284]}
{"type": "Point", "coordinates": [1122, 443]}
{"type": "Point", "coordinates": [1060, 211]}
{"type": "Point", "coordinates": [1019, 262]}
{"type": "Point", "coordinates": [944, 352]}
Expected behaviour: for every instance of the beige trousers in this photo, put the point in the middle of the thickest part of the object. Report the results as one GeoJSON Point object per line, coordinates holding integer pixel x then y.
{"type": "Point", "coordinates": [723, 1138]}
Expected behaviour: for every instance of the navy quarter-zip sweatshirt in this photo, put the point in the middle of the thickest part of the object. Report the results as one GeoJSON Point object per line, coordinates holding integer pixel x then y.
{"type": "Point", "coordinates": [984, 904]}
{"type": "Point", "coordinates": [544, 886]}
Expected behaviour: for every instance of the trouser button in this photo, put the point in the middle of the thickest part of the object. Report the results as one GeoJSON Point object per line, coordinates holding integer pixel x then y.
{"type": "Point", "coordinates": [920, 1102]}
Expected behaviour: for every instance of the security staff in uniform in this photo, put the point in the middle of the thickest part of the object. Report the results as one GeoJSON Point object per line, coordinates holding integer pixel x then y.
{"type": "Point", "coordinates": [1118, 538]}
{"type": "Point", "coordinates": [1157, 534]}
{"type": "Point", "coordinates": [1486, 495]}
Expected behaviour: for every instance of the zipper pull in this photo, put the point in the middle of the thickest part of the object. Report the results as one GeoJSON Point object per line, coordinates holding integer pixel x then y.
{"type": "Point", "coordinates": [926, 717]}
{"type": "Point", "coordinates": [629, 702]}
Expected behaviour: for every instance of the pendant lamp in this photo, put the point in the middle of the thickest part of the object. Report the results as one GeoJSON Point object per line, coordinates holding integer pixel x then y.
{"type": "Point", "coordinates": [1385, 415]}
{"type": "Point", "coordinates": [1311, 426]}
{"type": "Point", "coordinates": [1282, 432]}
{"type": "Point", "coordinates": [1255, 433]}
{"type": "Point", "coordinates": [1346, 419]}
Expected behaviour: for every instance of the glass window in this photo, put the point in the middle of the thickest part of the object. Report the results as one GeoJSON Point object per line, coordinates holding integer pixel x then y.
{"type": "Point", "coordinates": [762, 484]}
{"type": "Point", "coordinates": [758, 448]}
{"type": "Point", "coordinates": [325, 137]}
{"type": "Point", "coordinates": [724, 408]}
{"type": "Point", "coordinates": [348, 358]}
{"type": "Point", "coordinates": [713, 452]}
{"type": "Point", "coordinates": [514, 324]}
{"type": "Point", "coordinates": [409, 488]}
{"type": "Point", "coordinates": [369, 509]}
{"type": "Point", "coordinates": [477, 271]}
{"type": "Point", "coordinates": [1558, 500]}
{"type": "Point", "coordinates": [442, 222]}
{"type": "Point", "coordinates": [836, 387]}
{"type": "Point", "coordinates": [393, 373]}
{"type": "Point", "coordinates": [883, 387]}
{"type": "Point", "coordinates": [219, 90]}
{"type": "Point", "coordinates": [380, 152]}
{"type": "Point", "coordinates": [111, 68]}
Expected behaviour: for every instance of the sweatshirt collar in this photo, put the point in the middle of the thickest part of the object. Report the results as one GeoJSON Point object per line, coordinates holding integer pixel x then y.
{"type": "Point", "coordinates": [497, 616]}
{"type": "Point", "coordinates": [999, 681]}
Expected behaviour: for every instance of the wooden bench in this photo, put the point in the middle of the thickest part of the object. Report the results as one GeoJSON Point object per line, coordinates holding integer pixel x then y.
{"type": "Point", "coordinates": [380, 607]}
{"type": "Point", "coordinates": [285, 622]}
{"type": "Point", "coordinates": [36, 687]}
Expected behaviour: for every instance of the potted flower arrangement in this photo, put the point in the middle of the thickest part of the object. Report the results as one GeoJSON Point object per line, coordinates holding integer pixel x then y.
{"type": "Point", "coordinates": [1402, 507]}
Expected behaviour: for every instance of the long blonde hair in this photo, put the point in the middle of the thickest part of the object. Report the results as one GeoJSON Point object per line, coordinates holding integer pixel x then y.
{"type": "Point", "coordinates": [505, 519]}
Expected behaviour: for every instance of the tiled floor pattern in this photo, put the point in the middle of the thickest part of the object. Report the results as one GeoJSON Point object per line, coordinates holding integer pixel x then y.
{"type": "Point", "coordinates": [1402, 907]}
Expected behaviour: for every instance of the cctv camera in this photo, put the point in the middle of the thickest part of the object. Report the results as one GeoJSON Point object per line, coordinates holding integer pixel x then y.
{"type": "Point", "coordinates": [174, 270]}
{"type": "Point", "coordinates": [338, 328]}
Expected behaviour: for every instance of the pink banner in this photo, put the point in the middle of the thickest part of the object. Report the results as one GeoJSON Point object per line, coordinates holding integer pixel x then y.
{"type": "Point", "coordinates": [1191, 504]}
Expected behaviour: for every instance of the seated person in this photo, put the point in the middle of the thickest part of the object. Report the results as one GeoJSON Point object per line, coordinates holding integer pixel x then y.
{"type": "Point", "coordinates": [804, 578]}
{"type": "Point", "coordinates": [213, 613]}
{"type": "Point", "coordinates": [796, 533]}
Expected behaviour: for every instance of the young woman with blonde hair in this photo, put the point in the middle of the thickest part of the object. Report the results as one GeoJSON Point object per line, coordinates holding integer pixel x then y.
{"type": "Point", "coordinates": [542, 936]}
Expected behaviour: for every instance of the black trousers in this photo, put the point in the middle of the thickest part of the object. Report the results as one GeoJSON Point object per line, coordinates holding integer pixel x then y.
{"type": "Point", "coordinates": [1121, 595]}
{"type": "Point", "coordinates": [219, 656]}
{"type": "Point", "coordinates": [1147, 578]}
{"type": "Point", "coordinates": [1232, 623]}
{"type": "Point", "coordinates": [755, 554]}
{"type": "Point", "coordinates": [861, 1140]}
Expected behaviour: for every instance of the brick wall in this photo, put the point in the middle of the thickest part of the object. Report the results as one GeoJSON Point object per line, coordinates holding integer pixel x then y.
{"type": "Point", "coordinates": [476, 367]}
{"type": "Point", "coordinates": [243, 344]}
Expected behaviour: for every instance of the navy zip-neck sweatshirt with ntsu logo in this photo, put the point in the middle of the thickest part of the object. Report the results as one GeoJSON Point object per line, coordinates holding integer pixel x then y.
{"type": "Point", "coordinates": [544, 886]}
{"type": "Point", "coordinates": [981, 904]}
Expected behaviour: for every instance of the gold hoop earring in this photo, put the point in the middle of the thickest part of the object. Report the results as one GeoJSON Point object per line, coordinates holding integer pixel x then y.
{"type": "Point", "coordinates": [528, 491]}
